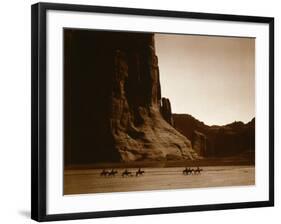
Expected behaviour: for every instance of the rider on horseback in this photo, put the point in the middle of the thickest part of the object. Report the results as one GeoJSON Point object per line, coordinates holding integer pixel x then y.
{"type": "Point", "coordinates": [139, 172]}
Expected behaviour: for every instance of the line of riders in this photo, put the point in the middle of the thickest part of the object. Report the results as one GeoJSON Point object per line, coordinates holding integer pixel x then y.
{"type": "Point", "coordinates": [189, 171]}
{"type": "Point", "coordinates": [140, 172]}
{"type": "Point", "coordinates": [125, 173]}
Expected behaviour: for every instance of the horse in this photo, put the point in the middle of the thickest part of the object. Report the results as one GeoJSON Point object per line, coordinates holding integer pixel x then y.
{"type": "Point", "coordinates": [126, 173]}
{"type": "Point", "coordinates": [187, 171]}
{"type": "Point", "coordinates": [184, 172]}
{"type": "Point", "coordinates": [112, 172]}
{"type": "Point", "coordinates": [104, 173]}
{"type": "Point", "coordinates": [198, 170]}
{"type": "Point", "coordinates": [139, 172]}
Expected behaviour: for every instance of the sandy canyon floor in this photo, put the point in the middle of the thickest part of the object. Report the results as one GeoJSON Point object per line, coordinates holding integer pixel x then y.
{"type": "Point", "coordinates": [81, 181]}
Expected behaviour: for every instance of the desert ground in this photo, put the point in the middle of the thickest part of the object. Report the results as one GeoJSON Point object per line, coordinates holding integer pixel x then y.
{"type": "Point", "coordinates": [81, 181]}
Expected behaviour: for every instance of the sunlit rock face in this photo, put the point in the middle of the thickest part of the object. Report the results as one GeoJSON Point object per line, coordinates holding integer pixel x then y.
{"type": "Point", "coordinates": [137, 125]}
{"type": "Point", "coordinates": [112, 89]}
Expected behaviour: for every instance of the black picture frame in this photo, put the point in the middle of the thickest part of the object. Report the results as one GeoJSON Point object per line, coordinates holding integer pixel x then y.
{"type": "Point", "coordinates": [38, 92]}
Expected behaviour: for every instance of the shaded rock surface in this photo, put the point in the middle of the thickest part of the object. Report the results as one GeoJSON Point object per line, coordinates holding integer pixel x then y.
{"type": "Point", "coordinates": [166, 111]}
{"type": "Point", "coordinates": [199, 143]}
{"type": "Point", "coordinates": [232, 139]}
{"type": "Point", "coordinates": [113, 101]}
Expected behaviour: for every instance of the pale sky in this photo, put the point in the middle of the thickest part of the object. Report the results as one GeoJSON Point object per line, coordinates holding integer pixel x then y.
{"type": "Point", "coordinates": [211, 78]}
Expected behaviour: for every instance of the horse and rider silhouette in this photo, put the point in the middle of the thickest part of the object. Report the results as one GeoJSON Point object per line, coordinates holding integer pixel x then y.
{"type": "Point", "coordinates": [104, 172]}
{"type": "Point", "coordinates": [189, 171]}
{"type": "Point", "coordinates": [139, 172]}
{"type": "Point", "coordinates": [111, 173]}
{"type": "Point", "coordinates": [126, 173]}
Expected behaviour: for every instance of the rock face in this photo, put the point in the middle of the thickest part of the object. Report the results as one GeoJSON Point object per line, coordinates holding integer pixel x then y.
{"type": "Point", "coordinates": [113, 101]}
{"type": "Point", "coordinates": [166, 111]}
{"type": "Point", "coordinates": [199, 143]}
{"type": "Point", "coordinates": [233, 139]}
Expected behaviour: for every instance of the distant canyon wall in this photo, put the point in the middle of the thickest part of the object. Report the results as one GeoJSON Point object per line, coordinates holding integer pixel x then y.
{"type": "Point", "coordinates": [235, 139]}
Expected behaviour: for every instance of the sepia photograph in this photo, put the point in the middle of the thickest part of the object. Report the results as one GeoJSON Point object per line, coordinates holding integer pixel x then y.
{"type": "Point", "coordinates": [138, 111]}
{"type": "Point", "coordinates": [157, 111]}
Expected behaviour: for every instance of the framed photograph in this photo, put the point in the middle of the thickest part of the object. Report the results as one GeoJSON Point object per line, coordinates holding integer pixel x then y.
{"type": "Point", "coordinates": [138, 111]}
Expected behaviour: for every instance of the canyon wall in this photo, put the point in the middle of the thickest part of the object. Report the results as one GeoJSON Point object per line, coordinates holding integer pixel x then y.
{"type": "Point", "coordinates": [234, 139]}
{"type": "Point", "coordinates": [113, 109]}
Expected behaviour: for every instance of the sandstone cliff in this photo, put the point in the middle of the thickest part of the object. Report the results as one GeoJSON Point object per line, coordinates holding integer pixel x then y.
{"type": "Point", "coordinates": [113, 101]}
{"type": "Point", "coordinates": [233, 139]}
{"type": "Point", "coordinates": [199, 143]}
{"type": "Point", "coordinates": [166, 111]}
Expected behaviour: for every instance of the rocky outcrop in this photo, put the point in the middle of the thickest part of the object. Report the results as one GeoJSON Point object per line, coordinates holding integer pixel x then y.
{"type": "Point", "coordinates": [199, 143]}
{"type": "Point", "coordinates": [232, 139]}
{"type": "Point", "coordinates": [166, 111]}
{"type": "Point", "coordinates": [113, 101]}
